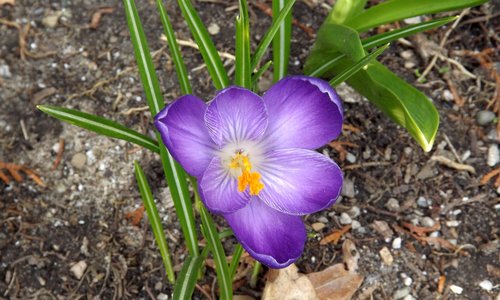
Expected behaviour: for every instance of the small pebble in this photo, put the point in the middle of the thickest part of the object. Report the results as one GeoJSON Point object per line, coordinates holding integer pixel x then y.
{"type": "Point", "coordinates": [355, 225]}
{"type": "Point", "coordinates": [162, 296]}
{"type": "Point", "coordinates": [392, 205]}
{"type": "Point", "coordinates": [345, 219]}
{"type": "Point", "coordinates": [407, 281]}
{"type": "Point", "coordinates": [413, 20]}
{"type": "Point", "coordinates": [466, 155]}
{"type": "Point", "coordinates": [452, 223]}
{"type": "Point", "coordinates": [493, 155]}
{"type": "Point", "coordinates": [78, 160]}
{"type": "Point", "coordinates": [213, 29]}
{"type": "Point", "coordinates": [401, 293]}
{"type": "Point", "coordinates": [5, 71]}
{"type": "Point", "coordinates": [407, 54]}
{"type": "Point", "coordinates": [409, 65]}
{"type": "Point", "coordinates": [427, 222]}
{"type": "Point", "coordinates": [422, 202]}
{"type": "Point", "coordinates": [485, 117]}
{"type": "Point", "coordinates": [396, 243]}
{"type": "Point", "coordinates": [318, 226]}
{"type": "Point", "coordinates": [386, 256]}
{"type": "Point", "coordinates": [409, 297]}
{"type": "Point", "coordinates": [456, 289]}
{"type": "Point", "coordinates": [350, 157]}
{"type": "Point", "coordinates": [78, 269]}
{"type": "Point", "coordinates": [354, 212]}
{"type": "Point", "coordinates": [323, 220]}
{"type": "Point", "coordinates": [348, 188]}
{"type": "Point", "coordinates": [447, 95]}
{"type": "Point", "coordinates": [486, 285]}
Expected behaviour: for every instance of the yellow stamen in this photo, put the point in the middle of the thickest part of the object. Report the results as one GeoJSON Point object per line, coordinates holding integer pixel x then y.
{"type": "Point", "coordinates": [247, 178]}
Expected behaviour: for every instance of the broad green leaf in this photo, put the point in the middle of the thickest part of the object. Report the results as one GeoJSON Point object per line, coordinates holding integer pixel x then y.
{"type": "Point", "coordinates": [243, 72]}
{"type": "Point", "coordinates": [348, 72]}
{"type": "Point", "coordinates": [154, 220]}
{"type": "Point", "coordinates": [281, 41]}
{"type": "Point", "coordinates": [403, 103]}
{"type": "Point", "coordinates": [270, 34]}
{"type": "Point", "coordinates": [344, 10]}
{"type": "Point", "coordinates": [205, 44]}
{"type": "Point", "coordinates": [180, 67]}
{"type": "Point", "coordinates": [395, 10]}
{"type": "Point", "coordinates": [175, 175]}
{"type": "Point", "coordinates": [100, 125]}
{"type": "Point", "coordinates": [322, 61]}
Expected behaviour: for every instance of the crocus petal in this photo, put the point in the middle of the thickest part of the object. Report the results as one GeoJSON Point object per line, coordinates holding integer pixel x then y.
{"type": "Point", "coordinates": [184, 133]}
{"type": "Point", "coordinates": [304, 112]}
{"type": "Point", "coordinates": [236, 115]}
{"type": "Point", "coordinates": [219, 189]}
{"type": "Point", "coordinates": [299, 181]}
{"type": "Point", "coordinates": [273, 238]}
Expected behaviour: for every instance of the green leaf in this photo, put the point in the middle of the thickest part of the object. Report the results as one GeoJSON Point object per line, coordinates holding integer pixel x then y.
{"type": "Point", "coordinates": [154, 220]}
{"type": "Point", "coordinates": [395, 10]}
{"type": "Point", "coordinates": [403, 103]}
{"type": "Point", "coordinates": [205, 44]}
{"type": "Point", "coordinates": [175, 175]}
{"type": "Point", "coordinates": [281, 41]}
{"type": "Point", "coordinates": [259, 73]}
{"type": "Point", "coordinates": [321, 60]}
{"type": "Point", "coordinates": [390, 36]}
{"type": "Point", "coordinates": [348, 72]}
{"type": "Point", "coordinates": [243, 72]}
{"type": "Point", "coordinates": [185, 285]}
{"type": "Point", "coordinates": [344, 10]}
{"type": "Point", "coordinates": [270, 34]}
{"type": "Point", "coordinates": [224, 278]}
{"type": "Point", "coordinates": [100, 125]}
{"type": "Point", "coordinates": [235, 260]}
{"type": "Point", "coordinates": [180, 67]}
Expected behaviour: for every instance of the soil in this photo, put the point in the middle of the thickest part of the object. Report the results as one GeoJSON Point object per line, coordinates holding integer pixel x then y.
{"type": "Point", "coordinates": [73, 239]}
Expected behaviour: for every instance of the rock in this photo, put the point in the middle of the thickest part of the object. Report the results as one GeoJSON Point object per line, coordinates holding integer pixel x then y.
{"type": "Point", "coordinates": [383, 228]}
{"type": "Point", "coordinates": [5, 71]}
{"type": "Point", "coordinates": [323, 220]}
{"type": "Point", "coordinates": [413, 20]}
{"type": "Point", "coordinates": [350, 157]}
{"type": "Point", "coordinates": [51, 20]}
{"type": "Point", "coordinates": [422, 202]}
{"type": "Point", "coordinates": [401, 293]}
{"type": "Point", "coordinates": [407, 281]}
{"type": "Point", "coordinates": [354, 212]}
{"type": "Point", "coordinates": [386, 256]}
{"type": "Point", "coordinates": [318, 226]}
{"type": "Point", "coordinates": [485, 117]}
{"type": "Point", "coordinates": [426, 172]}
{"type": "Point", "coordinates": [213, 29]}
{"type": "Point", "coordinates": [78, 160]}
{"type": "Point", "coordinates": [409, 65]}
{"type": "Point", "coordinates": [162, 296]}
{"type": "Point", "coordinates": [486, 285]}
{"type": "Point", "coordinates": [456, 289]}
{"type": "Point", "coordinates": [78, 269]}
{"type": "Point", "coordinates": [396, 243]}
{"type": "Point", "coordinates": [392, 205]}
{"type": "Point", "coordinates": [427, 222]}
{"type": "Point", "coordinates": [447, 95]}
{"type": "Point", "coordinates": [345, 219]}
{"type": "Point", "coordinates": [493, 155]}
{"type": "Point", "coordinates": [409, 297]}
{"type": "Point", "coordinates": [348, 188]}
{"type": "Point", "coordinates": [452, 223]}
{"type": "Point", "coordinates": [355, 225]}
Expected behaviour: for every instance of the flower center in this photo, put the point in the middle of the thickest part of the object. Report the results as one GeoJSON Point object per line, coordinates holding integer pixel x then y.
{"type": "Point", "coordinates": [247, 178]}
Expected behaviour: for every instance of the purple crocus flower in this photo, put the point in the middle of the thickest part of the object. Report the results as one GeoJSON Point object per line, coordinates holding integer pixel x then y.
{"type": "Point", "coordinates": [255, 162]}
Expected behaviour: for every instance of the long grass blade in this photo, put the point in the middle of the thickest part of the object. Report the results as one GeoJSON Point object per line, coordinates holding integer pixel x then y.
{"type": "Point", "coordinates": [180, 66]}
{"type": "Point", "coordinates": [270, 34]}
{"type": "Point", "coordinates": [243, 73]}
{"type": "Point", "coordinates": [186, 282]}
{"type": "Point", "coordinates": [205, 44]}
{"type": "Point", "coordinates": [100, 125]}
{"type": "Point", "coordinates": [154, 220]}
{"type": "Point", "coordinates": [176, 177]}
{"type": "Point", "coordinates": [356, 67]}
{"type": "Point", "coordinates": [236, 260]}
{"type": "Point", "coordinates": [281, 42]}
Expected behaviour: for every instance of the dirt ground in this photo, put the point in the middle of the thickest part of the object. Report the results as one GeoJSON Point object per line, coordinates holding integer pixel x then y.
{"type": "Point", "coordinates": [73, 238]}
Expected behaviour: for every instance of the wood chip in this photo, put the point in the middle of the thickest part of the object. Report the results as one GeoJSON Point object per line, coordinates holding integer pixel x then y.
{"type": "Point", "coordinates": [454, 165]}
{"type": "Point", "coordinates": [386, 256]}
{"type": "Point", "coordinates": [9, 2]}
{"type": "Point", "coordinates": [40, 95]}
{"type": "Point", "coordinates": [96, 17]}
{"type": "Point", "coordinates": [335, 236]}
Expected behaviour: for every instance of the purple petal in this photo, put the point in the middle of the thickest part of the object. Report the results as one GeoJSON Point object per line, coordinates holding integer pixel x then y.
{"type": "Point", "coordinates": [184, 133]}
{"type": "Point", "coordinates": [219, 189]}
{"type": "Point", "coordinates": [304, 112]}
{"type": "Point", "coordinates": [299, 181]}
{"type": "Point", "coordinates": [273, 238]}
{"type": "Point", "coordinates": [236, 114]}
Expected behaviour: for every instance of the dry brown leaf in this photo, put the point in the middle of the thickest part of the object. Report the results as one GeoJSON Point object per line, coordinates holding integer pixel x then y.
{"type": "Point", "coordinates": [288, 284]}
{"type": "Point", "coordinates": [421, 231]}
{"type": "Point", "coordinates": [487, 177]}
{"type": "Point", "coordinates": [9, 2]}
{"type": "Point", "coordinates": [14, 171]}
{"type": "Point", "coordinates": [335, 236]}
{"type": "Point", "coordinates": [136, 215]}
{"type": "Point", "coordinates": [335, 282]}
{"type": "Point", "coordinates": [441, 282]}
